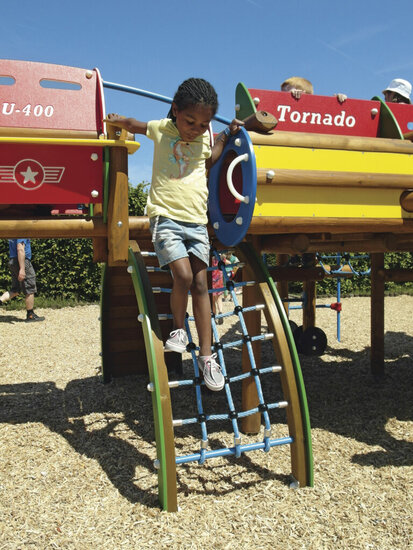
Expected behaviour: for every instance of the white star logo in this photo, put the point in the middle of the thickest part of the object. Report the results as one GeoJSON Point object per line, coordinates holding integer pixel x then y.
{"type": "Point", "coordinates": [29, 175]}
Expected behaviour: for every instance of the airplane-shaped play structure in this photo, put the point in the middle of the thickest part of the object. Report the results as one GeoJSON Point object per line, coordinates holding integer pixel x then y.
{"type": "Point", "coordinates": [329, 177]}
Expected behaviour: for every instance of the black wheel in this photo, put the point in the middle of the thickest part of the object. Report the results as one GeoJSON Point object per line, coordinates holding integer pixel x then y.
{"type": "Point", "coordinates": [298, 333]}
{"type": "Point", "coordinates": [313, 341]}
{"type": "Point", "coordinates": [293, 325]}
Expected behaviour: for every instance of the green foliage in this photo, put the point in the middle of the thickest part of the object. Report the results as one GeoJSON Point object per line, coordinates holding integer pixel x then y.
{"type": "Point", "coordinates": [64, 267]}
{"type": "Point", "coordinates": [137, 199]}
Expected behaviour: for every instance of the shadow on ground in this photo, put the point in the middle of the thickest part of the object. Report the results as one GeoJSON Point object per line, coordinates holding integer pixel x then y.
{"type": "Point", "coordinates": [343, 399]}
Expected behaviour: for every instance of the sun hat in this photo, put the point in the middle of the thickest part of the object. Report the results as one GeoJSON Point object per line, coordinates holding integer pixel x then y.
{"type": "Point", "coordinates": [401, 87]}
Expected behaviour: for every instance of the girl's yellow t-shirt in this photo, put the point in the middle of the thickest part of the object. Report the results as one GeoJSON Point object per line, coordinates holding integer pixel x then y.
{"type": "Point", "coordinates": [179, 184]}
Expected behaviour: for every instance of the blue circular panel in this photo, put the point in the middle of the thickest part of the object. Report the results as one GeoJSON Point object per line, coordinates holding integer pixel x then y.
{"type": "Point", "coordinates": [231, 227]}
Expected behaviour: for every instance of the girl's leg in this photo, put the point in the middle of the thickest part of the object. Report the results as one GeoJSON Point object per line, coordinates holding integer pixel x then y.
{"type": "Point", "coordinates": [219, 303]}
{"type": "Point", "coordinates": [214, 303]}
{"type": "Point", "coordinates": [213, 377]}
{"type": "Point", "coordinates": [182, 280]}
{"type": "Point", "coordinates": [201, 304]}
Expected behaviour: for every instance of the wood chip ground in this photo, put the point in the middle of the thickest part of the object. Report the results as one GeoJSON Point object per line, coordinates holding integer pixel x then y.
{"type": "Point", "coordinates": [76, 456]}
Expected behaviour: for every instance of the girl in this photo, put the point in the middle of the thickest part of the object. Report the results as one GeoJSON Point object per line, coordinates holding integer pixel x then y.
{"type": "Point", "coordinates": [177, 208]}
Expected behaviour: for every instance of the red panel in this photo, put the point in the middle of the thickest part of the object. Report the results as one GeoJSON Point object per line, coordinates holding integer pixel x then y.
{"type": "Point", "coordinates": [228, 203]}
{"type": "Point", "coordinates": [403, 113]}
{"type": "Point", "coordinates": [320, 114]}
{"type": "Point", "coordinates": [26, 104]}
{"type": "Point", "coordinates": [50, 174]}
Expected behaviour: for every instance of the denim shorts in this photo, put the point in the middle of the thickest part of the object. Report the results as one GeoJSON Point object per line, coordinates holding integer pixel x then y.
{"type": "Point", "coordinates": [174, 240]}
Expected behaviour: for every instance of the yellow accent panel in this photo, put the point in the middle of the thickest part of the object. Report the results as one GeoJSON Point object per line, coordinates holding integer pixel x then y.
{"type": "Point", "coordinates": [324, 202]}
{"type": "Point", "coordinates": [132, 146]}
{"type": "Point", "coordinates": [302, 158]}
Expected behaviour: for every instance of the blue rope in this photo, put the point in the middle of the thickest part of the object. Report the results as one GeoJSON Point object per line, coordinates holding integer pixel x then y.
{"type": "Point", "coordinates": [232, 415]}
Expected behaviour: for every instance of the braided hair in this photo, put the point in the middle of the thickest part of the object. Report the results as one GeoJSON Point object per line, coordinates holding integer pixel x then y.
{"type": "Point", "coordinates": [195, 91]}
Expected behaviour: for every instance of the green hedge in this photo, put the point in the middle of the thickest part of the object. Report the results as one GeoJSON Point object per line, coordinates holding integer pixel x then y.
{"type": "Point", "coordinates": [64, 267]}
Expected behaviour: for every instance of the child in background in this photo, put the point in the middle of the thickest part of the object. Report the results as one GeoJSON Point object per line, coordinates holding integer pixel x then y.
{"type": "Point", "coordinates": [298, 86]}
{"type": "Point", "coordinates": [398, 91]}
{"type": "Point", "coordinates": [177, 208]}
{"type": "Point", "coordinates": [231, 271]}
{"type": "Point", "coordinates": [217, 282]}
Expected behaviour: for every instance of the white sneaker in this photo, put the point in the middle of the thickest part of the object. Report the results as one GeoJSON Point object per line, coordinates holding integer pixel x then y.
{"type": "Point", "coordinates": [177, 341]}
{"type": "Point", "coordinates": [213, 377]}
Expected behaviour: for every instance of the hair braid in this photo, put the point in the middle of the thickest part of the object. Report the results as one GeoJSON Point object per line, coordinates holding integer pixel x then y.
{"type": "Point", "coordinates": [195, 91]}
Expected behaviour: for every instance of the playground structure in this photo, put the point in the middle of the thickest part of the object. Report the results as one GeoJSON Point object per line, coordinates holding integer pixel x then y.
{"type": "Point", "coordinates": [56, 154]}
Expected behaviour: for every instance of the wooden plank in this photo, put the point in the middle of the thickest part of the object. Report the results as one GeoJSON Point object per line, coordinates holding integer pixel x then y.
{"type": "Point", "coordinates": [127, 363]}
{"type": "Point", "coordinates": [325, 141]}
{"type": "Point", "coordinates": [116, 346]}
{"type": "Point", "coordinates": [289, 387]}
{"type": "Point", "coordinates": [118, 216]}
{"type": "Point", "coordinates": [324, 178]}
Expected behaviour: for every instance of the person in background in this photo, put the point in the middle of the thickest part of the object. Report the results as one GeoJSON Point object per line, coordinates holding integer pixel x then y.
{"type": "Point", "coordinates": [298, 85]}
{"type": "Point", "coordinates": [398, 91]}
{"type": "Point", "coordinates": [217, 282]}
{"type": "Point", "coordinates": [23, 276]}
{"type": "Point", "coordinates": [231, 271]}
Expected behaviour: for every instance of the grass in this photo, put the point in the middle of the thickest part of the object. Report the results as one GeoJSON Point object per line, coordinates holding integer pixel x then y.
{"type": "Point", "coordinates": [44, 302]}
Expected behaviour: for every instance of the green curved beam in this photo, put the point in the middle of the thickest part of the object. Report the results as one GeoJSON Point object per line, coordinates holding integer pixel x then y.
{"type": "Point", "coordinates": [245, 102]}
{"type": "Point", "coordinates": [158, 375]}
{"type": "Point", "coordinates": [256, 264]}
{"type": "Point", "coordinates": [388, 125]}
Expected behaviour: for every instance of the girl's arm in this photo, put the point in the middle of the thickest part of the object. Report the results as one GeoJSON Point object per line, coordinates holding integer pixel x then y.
{"type": "Point", "coordinates": [129, 124]}
{"type": "Point", "coordinates": [221, 140]}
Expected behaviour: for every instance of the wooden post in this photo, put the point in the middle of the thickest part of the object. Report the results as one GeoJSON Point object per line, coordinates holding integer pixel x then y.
{"type": "Point", "coordinates": [309, 305]}
{"type": "Point", "coordinates": [377, 314]}
{"type": "Point", "coordinates": [251, 424]}
{"type": "Point", "coordinates": [100, 244]}
{"type": "Point", "coordinates": [282, 286]}
{"type": "Point", "coordinates": [118, 219]}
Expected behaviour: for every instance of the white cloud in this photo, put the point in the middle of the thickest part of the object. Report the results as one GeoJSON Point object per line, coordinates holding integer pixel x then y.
{"type": "Point", "coordinates": [360, 35]}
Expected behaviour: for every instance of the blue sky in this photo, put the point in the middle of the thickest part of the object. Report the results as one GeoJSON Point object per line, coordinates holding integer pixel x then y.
{"type": "Point", "coordinates": [355, 48]}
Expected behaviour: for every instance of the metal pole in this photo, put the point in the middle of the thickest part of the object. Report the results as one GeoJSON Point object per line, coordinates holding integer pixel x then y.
{"type": "Point", "coordinates": [151, 95]}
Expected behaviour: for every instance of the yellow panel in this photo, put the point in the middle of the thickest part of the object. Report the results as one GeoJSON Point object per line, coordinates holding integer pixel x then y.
{"type": "Point", "coordinates": [325, 202]}
{"type": "Point", "coordinates": [304, 158]}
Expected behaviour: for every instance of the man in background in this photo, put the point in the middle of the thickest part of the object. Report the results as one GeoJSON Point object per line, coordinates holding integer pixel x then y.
{"type": "Point", "coordinates": [23, 276]}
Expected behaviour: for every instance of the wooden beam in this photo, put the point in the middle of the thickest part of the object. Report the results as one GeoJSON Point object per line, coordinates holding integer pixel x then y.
{"type": "Point", "coordinates": [377, 315]}
{"type": "Point", "coordinates": [396, 275]}
{"type": "Point", "coordinates": [324, 178]}
{"type": "Point", "coordinates": [273, 225]}
{"type": "Point", "coordinates": [309, 304]}
{"type": "Point", "coordinates": [282, 284]}
{"type": "Point", "coordinates": [327, 141]}
{"type": "Point", "coordinates": [67, 228]}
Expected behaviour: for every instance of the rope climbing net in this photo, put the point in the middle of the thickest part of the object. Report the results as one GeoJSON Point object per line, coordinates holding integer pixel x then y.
{"type": "Point", "coordinates": [269, 410]}
{"type": "Point", "coordinates": [233, 415]}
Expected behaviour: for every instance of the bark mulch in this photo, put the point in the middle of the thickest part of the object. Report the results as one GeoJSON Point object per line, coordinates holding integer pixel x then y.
{"type": "Point", "coordinates": [76, 456]}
